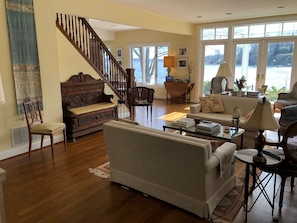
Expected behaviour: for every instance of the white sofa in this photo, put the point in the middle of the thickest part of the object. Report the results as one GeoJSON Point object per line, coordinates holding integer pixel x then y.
{"type": "Point", "coordinates": [246, 106]}
{"type": "Point", "coordinates": [180, 170]}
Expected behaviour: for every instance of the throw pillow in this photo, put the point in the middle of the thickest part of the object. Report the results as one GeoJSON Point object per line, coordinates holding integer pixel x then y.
{"type": "Point", "coordinates": [212, 103]}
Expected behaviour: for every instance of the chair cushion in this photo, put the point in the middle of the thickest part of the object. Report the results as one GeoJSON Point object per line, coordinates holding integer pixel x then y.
{"type": "Point", "coordinates": [212, 103]}
{"type": "Point", "coordinates": [283, 103]}
{"type": "Point", "coordinates": [48, 128]}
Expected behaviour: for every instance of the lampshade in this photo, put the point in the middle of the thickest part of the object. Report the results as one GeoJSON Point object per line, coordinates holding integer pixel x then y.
{"type": "Point", "coordinates": [262, 117]}
{"type": "Point", "coordinates": [2, 98]}
{"type": "Point", "coordinates": [224, 70]}
{"type": "Point", "coordinates": [168, 61]}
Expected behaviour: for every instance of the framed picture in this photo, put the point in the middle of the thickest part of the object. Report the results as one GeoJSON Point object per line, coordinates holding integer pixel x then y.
{"type": "Point", "coordinates": [182, 51]}
{"type": "Point", "coordinates": [119, 52]}
{"type": "Point", "coordinates": [182, 63]}
{"type": "Point", "coordinates": [169, 79]}
{"type": "Point", "coordinates": [120, 61]}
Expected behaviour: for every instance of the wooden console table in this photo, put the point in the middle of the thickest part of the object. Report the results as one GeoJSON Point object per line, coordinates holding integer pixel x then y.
{"type": "Point", "coordinates": [179, 90]}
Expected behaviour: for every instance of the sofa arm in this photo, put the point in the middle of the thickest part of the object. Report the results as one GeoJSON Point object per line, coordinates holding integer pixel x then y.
{"type": "Point", "coordinates": [195, 108]}
{"type": "Point", "coordinates": [225, 153]}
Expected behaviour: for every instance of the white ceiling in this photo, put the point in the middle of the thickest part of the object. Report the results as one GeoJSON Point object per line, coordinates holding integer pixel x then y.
{"type": "Point", "coordinates": [205, 11]}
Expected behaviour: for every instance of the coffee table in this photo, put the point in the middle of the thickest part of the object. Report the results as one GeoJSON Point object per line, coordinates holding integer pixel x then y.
{"type": "Point", "coordinates": [221, 135]}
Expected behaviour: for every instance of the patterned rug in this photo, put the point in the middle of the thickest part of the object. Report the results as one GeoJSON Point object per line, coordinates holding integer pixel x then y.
{"type": "Point", "coordinates": [101, 171]}
{"type": "Point", "coordinates": [228, 207]}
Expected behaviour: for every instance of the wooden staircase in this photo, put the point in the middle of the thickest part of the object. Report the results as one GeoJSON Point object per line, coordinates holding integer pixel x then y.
{"type": "Point", "coordinates": [82, 36]}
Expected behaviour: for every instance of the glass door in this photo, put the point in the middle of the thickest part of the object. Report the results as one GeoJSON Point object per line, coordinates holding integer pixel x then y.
{"type": "Point", "coordinates": [246, 64]}
{"type": "Point", "coordinates": [213, 57]}
{"type": "Point", "coordinates": [278, 68]}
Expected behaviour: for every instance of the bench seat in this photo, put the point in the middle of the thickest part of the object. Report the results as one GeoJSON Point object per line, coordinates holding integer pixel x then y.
{"type": "Point", "coordinates": [91, 108]}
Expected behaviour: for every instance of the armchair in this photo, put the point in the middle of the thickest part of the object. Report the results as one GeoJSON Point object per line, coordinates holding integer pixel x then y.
{"type": "Point", "coordinates": [286, 98]}
{"type": "Point", "coordinates": [288, 115]}
{"type": "Point", "coordinates": [140, 96]}
{"type": "Point", "coordinates": [216, 85]}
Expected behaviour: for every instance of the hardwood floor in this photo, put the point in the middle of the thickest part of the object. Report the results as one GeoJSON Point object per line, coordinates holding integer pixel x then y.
{"type": "Point", "coordinates": [38, 189]}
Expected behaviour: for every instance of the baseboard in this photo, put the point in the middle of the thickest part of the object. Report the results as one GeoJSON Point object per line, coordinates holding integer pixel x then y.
{"type": "Point", "coordinates": [24, 147]}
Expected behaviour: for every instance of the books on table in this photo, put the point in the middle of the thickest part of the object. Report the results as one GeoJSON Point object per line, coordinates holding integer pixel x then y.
{"type": "Point", "coordinates": [208, 127]}
{"type": "Point", "coordinates": [184, 123]}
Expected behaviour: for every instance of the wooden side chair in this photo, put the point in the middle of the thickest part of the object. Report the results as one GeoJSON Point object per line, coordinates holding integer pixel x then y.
{"type": "Point", "coordinates": [140, 96]}
{"type": "Point", "coordinates": [288, 166]}
{"type": "Point", "coordinates": [38, 127]}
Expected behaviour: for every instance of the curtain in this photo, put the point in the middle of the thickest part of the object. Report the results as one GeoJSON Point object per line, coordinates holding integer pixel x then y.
{"type": "Point", "coordinates": [24, 52]}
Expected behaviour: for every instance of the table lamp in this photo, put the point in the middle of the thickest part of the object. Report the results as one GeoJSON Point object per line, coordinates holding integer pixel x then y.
{"type": "Point", "coordinates": [168, 62]}
{"type": "Point", "coordinates": [224, 71]}
{"type": "Point", "coordinates": [262, 119]}
{"type": "Point", "coordinates": [2, 97]}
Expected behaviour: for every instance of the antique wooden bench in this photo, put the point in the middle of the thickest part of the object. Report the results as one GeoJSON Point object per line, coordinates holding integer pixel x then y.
{"type": "Point", "coordinates": [85, 105]}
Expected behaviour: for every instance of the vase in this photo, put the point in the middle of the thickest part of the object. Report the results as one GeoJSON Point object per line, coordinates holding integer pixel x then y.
{"type": "Point", "coordinates": [239, 92]}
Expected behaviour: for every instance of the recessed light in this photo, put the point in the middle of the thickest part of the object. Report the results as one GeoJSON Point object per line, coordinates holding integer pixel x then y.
{"type": "Point", "coordinates": [228, 13]}
{"type": "Point", "coordinates": [280, 7]}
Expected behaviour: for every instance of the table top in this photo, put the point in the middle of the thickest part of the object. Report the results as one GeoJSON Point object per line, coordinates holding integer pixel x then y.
{"type": "Point", "coordinates": [226, 135]}
{"type": "Point", "coordinates": [246, 156]}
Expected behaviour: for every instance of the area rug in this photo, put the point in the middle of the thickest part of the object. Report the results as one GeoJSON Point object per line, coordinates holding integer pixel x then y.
{"type": "Point", "coordinates": [102, 171]}
{"type": "Point", "coordinates": [228, 207]}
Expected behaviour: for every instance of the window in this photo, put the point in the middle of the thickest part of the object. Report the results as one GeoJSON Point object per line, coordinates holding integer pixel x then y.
{"type": "Point", "coordinates": [148, 63]}
{"type": "Point", "coordinates": [265, 30]}
{"type": "Point", "coordinates": [215, 33]}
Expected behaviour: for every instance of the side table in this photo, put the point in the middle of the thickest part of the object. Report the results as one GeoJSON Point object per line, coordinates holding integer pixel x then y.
{"type": "Point", "coordinates": [246, 156]}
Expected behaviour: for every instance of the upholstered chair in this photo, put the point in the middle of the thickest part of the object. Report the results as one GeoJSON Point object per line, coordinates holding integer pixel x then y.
{"type": "Point", "coordinates": [286, 98]}
{"type": "Point", "coordinates": [216, 85]}
{"type": "Point", "coordinates": [288, 115]}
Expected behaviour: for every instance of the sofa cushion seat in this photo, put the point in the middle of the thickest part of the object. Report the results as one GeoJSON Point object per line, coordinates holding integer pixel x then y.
{"type": "Point", "coordinates": [91, 108]}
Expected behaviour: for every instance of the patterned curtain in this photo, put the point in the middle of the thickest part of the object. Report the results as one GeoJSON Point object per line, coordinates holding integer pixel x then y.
{"type": "Point", "coordinates": [24, 52]}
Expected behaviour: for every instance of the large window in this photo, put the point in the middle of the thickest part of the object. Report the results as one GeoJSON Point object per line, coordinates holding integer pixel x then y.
{"type": "Point", "coordinates": [262, 52]}
{"type": "Point", "coordinates": [147, 60]}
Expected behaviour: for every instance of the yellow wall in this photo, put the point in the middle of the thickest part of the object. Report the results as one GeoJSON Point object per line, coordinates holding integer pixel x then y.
{"type": "Point", "coordinates": [58, 61]}
{"type": "Point", "coordinates": [124, 39]}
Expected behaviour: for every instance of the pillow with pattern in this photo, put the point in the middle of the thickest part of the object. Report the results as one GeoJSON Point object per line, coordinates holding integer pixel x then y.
{"type": "Point", "coordinates": [212, 103]}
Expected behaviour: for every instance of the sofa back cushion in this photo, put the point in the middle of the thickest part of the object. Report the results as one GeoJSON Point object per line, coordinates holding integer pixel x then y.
{"type": "Point", "coordinates": [246, 105]}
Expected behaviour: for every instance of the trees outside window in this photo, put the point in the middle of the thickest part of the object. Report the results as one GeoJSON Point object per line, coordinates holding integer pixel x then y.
{"type": "Point", "coordinates": [148, 64]}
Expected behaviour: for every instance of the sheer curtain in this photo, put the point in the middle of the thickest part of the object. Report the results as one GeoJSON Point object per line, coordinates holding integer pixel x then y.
{"type": "Point", "coordinates": [24, 52]}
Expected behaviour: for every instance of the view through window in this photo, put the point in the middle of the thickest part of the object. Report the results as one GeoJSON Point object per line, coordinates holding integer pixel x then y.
{"type": "Point", "coordinates": [262, 53]}
{"type": "Point", "coordinates": [148, 64]}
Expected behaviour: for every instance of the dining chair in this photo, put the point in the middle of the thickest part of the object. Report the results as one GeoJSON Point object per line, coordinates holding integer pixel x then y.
{"type": "Point", "coordinates": [140, 96]}
{"type": "Point", "coordinates": [36, 126]}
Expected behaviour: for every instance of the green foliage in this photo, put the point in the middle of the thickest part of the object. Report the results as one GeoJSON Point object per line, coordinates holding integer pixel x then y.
{"type": "Point", "coordinates": [272, 93]}
{"type": "Point", "coordinates": [206, 87]}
